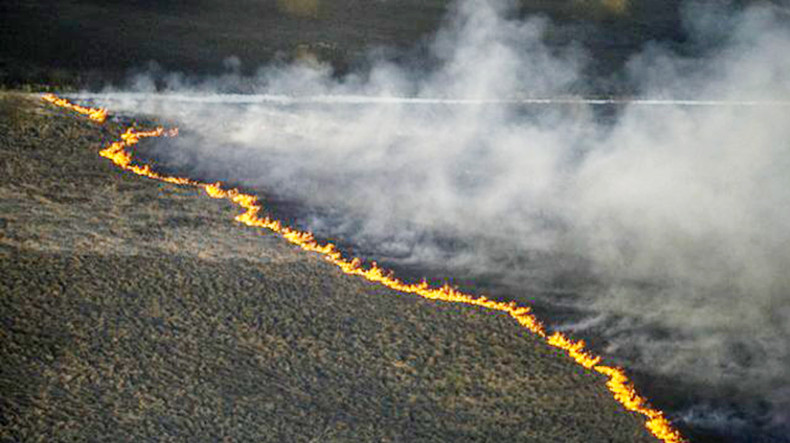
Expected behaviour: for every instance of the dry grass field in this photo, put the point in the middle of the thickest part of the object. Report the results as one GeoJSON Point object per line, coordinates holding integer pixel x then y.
{"type": "Point", "coordinates": [132, 310]}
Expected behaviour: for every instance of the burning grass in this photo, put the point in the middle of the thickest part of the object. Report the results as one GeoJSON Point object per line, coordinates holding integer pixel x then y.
{"type": "Point", "coordinates": [133, 310]}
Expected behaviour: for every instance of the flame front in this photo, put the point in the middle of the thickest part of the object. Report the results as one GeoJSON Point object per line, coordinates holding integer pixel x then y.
{"type": "Point", "coordinates": [95, 114]}
{"type": "Point", "coordinates": [618, 382]}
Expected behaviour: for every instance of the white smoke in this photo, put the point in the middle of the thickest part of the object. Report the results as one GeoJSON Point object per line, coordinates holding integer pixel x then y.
{"type": "Point", "coordinates": [678, 214]}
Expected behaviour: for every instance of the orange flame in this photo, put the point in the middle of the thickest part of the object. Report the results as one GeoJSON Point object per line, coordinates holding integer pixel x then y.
{"type": "Point", "coordinates": [95, 114]}
{"type": "Point", "coordinates": [618, 382]}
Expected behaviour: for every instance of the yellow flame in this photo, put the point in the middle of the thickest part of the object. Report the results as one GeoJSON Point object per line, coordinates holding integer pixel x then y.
{"type": "Point", "coordinates": [575, 349]}
{"type": "Point", "coordinates": [618, 382]}
{"type": "Point", "coordinates": [95, 114]}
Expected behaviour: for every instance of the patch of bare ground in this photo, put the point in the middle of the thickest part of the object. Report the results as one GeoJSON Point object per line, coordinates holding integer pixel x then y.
{"type": "Point", "coordinates": [132, 310]}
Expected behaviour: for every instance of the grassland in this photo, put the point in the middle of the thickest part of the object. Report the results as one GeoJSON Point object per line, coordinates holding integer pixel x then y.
{"type": "Point", "coordinates": [132, 310]}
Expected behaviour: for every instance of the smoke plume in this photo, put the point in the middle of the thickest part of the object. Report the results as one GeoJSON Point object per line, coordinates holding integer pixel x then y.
{"type": "Point", "coordinates": [664, 224]}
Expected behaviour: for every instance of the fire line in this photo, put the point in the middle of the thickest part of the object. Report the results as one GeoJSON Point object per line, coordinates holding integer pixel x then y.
{"type": "Point", "coordinates": [618, 383]}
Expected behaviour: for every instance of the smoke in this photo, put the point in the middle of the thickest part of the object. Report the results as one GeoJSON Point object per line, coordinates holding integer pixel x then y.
{"type": "Point", "coordinates": [666, 227]}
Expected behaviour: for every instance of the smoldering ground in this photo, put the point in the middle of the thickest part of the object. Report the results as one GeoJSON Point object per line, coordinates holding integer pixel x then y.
{"type": "Point", "coordinates": [663, 225]}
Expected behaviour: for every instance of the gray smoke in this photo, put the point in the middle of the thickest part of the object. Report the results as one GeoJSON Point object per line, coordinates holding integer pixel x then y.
{"type": "Point", "coordinates": [676, 216]}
